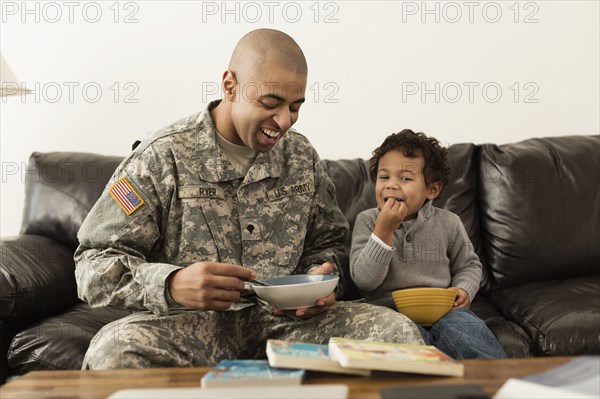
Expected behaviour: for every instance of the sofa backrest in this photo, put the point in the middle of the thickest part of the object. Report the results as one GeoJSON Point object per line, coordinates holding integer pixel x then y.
{"type": "Point", "coordinates": [60, 190]}
{"type": "Point", "coordinates": [460, 197]}
{"type": "Point", "coordinates": [540, 208]}
{"type": "Point", "coordinates": [531, 209]}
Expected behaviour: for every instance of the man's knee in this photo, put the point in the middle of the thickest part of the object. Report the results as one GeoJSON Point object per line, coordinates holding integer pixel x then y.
{"type": "Point", "coordinates": [117, 345]}
{"type": "Point", "coordinates": [102, 354]}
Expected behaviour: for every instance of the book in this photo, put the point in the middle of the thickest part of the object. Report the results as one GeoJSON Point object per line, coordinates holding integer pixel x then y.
{"type": "Point", "coordinates": [321, 391]}
{"type": "Point", "coordinates": [235, 373]}
{"type": "Point", "coordinates": [389, 356]}
{"type": "Point", "coordinates": [578, 378]}
{"type": "Point", "coordinates": [458, 391]}
{"type": "Point", "coordinates": [306, 356]}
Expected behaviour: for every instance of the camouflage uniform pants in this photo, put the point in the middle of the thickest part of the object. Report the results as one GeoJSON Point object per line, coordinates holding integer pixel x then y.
{"type": "Point", "coordinates": [201, 338]}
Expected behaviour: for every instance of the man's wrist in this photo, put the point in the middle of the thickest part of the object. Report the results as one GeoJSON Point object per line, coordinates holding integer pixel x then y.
{"type": "Point", "coordinates": [171, 303]}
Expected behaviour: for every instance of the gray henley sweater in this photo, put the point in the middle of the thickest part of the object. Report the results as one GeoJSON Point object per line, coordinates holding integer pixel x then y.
{"type": "Point", "coordinates": [432, 250]}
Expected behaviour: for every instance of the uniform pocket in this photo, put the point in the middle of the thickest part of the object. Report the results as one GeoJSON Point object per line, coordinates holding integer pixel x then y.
{"type": "Point", "coordinates": [294, 222]}
{"type": "Point", "coordinates": [289, 243]}
{"type": "Point", "coordinates": [197, 241]}
{"type": "Point", "coordinates": [291, 200]}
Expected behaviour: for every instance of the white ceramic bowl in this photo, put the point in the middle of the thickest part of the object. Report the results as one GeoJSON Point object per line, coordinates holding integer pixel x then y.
{"type": "Point", "coordinates": [296, 291]}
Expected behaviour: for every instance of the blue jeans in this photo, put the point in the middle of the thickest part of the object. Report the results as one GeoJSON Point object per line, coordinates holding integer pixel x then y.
{"type": "Point", "coordinates": [463, 335]}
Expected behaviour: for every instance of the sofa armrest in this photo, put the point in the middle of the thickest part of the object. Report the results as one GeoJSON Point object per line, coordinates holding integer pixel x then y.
{"type": "Point", "coordinates": [37, 277]}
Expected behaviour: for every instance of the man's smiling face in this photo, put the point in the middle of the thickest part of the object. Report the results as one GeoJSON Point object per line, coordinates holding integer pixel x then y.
{"type": "Point", "coordinates": [266, 107]}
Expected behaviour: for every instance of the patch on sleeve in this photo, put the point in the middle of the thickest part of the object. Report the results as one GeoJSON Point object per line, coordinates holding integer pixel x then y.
{"type": "Point", "coordinates": [126, 196]}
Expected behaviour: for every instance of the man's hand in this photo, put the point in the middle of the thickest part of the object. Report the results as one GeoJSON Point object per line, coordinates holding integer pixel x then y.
{"type": "Point", "coordinates": [389, 219]}
{"type": "Point", "coordinates": [322, 304]}
{"type": "Point", "coordinates": [208, 285]}
{"type": "Point", "coordinates": [462, 299]}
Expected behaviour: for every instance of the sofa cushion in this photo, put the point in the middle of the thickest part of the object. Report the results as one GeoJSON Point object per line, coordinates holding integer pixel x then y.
{"type": "Point", "coordinates": [460, 197]}
{"type": "Point", "coordinates": [560, 316]}
{"type": "Point", "coordinates": [37, 277]}
{"type": "Point", "coordinates": [514, 340]}
{"type": "Point", "coordinates": [60, 190]}
{"type": "Point", "coordinates": [59, 342]}
{"type": "Point", "coordinates": [540, 208]}
{"type": "Point", "coordinates": [355, 191]}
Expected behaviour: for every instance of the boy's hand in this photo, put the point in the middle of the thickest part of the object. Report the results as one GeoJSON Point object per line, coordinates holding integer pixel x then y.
{"type": "Point", "coordinates": [389, 219]}
{"type": "Point", "coordinates": [462, 299]}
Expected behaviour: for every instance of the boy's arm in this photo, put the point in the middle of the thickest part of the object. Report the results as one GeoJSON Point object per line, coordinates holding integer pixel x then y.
{"type": "Point", "coordinates": [369, 258]}
{"type": "Point", "coordinates": [465, 267]}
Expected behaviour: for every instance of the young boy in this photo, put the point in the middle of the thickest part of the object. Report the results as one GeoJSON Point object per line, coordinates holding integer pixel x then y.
{"type": "Point", "coordinates": [406, 242]}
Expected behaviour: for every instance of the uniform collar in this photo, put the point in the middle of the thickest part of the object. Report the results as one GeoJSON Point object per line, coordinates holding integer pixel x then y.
{"type": "Point", "coordinates": [212, 165]}
{"type": "Point", "coordinates": [267, 164]}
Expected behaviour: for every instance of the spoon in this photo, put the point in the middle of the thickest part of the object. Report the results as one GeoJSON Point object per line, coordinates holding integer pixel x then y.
{"type": "Point", "coordinates": [258, 282]}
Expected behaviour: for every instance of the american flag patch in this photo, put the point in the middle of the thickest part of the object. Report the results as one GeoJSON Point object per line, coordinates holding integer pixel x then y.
{"type": "Point", "coordinates": [126, 196]}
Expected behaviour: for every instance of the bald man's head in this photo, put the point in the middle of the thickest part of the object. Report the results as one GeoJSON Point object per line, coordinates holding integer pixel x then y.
{"type": "Point", "coordinates": [263, 90]}
{"type": "Point", "coordinates": [265, 47]}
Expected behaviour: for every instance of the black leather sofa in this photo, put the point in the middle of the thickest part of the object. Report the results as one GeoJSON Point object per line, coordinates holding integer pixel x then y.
{"type": "Point", "coordinates": [532, 210]}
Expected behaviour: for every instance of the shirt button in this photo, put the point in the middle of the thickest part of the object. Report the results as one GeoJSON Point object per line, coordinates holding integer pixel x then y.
{"type": "Point", "coordinates": [408, 238]}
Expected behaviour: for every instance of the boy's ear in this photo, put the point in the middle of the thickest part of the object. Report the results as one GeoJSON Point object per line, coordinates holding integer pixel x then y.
{"type": "Point", "coordinates": [229, 85]}
{"type": "Point", "coordinates": [434, 190]}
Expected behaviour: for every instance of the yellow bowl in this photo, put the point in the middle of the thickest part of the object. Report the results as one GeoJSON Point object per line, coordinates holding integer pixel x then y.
{"type": "Point", "coordinates": [425, 301]}
{"type": "Point", "coordinates": [421, 302]}
{"type": "Point", "coordinates": [424, 306]}
{"type": "Point", "coordinates": [420, 292]}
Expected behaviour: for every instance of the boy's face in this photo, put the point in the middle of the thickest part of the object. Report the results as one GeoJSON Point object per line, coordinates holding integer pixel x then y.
{"type": "Point", "coordinates": [401, 178]}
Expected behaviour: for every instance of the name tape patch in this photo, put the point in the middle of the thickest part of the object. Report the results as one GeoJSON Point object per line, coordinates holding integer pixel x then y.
{"type": "Point", "coordinates": [126, 196]}
{"type": "Point", "coordinates": [201, 192]}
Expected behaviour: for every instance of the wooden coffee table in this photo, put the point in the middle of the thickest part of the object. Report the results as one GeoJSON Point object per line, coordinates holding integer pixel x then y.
{"type": "Point", "coordinates": [489, 374]}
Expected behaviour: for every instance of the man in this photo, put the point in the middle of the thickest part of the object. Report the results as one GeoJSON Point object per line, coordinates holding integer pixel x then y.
{"type": "Point", "coordinates": [208, 203]}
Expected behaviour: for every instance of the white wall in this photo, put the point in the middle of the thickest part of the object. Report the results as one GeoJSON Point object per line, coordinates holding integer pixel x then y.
{"type": "Point", "coordinates": [369, 62]}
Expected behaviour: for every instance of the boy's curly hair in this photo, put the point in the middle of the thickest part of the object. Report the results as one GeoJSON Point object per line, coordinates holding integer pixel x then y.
{"type": "Point", "coordinates": [413, 144]}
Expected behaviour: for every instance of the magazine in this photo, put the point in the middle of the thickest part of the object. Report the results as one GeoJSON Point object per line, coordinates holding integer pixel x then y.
{"type": "Point", "coordinates": [235, 373]}
{"type": "Point", "coordinates": [306, 356]}
{"type": "Point", "coordinates": [388, 356]}
{"type": "Point", "coordinates": [579, 378]}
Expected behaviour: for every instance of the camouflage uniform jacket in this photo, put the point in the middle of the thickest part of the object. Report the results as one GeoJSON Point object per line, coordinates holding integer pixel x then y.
{"type": "Point", "coordinates": [191, 205]}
